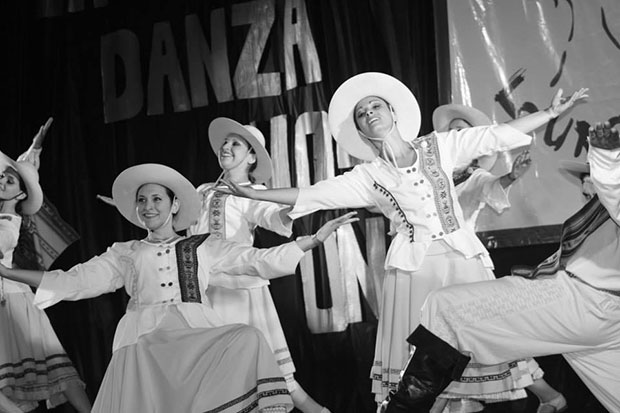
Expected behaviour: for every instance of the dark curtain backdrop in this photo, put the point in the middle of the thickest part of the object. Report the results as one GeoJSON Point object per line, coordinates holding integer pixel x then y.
{"type": "Point", "coordinates": [52, 68]}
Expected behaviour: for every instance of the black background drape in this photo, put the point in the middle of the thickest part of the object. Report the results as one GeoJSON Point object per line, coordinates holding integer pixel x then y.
{"type": "Point", "coordinates": [51, 67]}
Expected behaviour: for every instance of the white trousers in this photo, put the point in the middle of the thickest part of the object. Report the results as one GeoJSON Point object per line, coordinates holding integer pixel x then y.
{"type": "Point", "coordinates": [513, 318]}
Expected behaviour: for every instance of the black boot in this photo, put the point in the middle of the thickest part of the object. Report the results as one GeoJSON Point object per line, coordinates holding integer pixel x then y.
{"type": "Point", "coordinates": [431, 368]}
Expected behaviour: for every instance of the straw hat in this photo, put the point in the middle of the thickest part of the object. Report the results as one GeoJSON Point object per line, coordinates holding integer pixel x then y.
{"type": "Point", "coordinates": [221, 128]}
{"type": "Point", "coordinates": [127, 183]}
{"type": "Point", "coordinates": [342, 105]}
{"type": "Point", "coordinates": [444, 114]}
{"type": "Point", "coordinates": [30, 176]}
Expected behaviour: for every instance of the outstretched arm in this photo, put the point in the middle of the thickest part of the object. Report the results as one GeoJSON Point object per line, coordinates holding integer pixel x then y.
{"type": "Point", "coordinates": [286, 196]}
{"type": "Point", "coordinates": [558, 106]}
{"type": "Point", "coordinates": [33, 153]}
{"type": "Point", "coordinates": [235, 259]}
{"type": "Point", "coordinates": [31, 277]}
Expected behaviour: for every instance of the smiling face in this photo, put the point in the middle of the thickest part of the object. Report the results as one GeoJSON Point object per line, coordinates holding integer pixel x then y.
{"type": "Point", "coordinates": [373, 117]}
{"type": "Point", "coordinates": [236, 153]}
{"type": "Point", "coordinates": [154, 204]}
{"type": "Point", "coordinates": [11, 186]}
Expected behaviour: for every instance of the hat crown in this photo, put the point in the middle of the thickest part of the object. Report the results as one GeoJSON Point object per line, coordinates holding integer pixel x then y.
{"type": "Point", "coordinates": [260, 138]}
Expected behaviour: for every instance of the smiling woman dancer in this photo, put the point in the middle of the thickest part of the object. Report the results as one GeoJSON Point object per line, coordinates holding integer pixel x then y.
{"type": "Point", "coordinates": [376, 118]}
{"type": "Point", "coordinates": [171, 351]}
{"type": "Point", "coordinates": [242, 155]}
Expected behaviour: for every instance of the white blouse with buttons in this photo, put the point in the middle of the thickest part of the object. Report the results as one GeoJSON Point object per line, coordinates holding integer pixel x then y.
{"type": "Point", "coordinates": [420, 200]}
{"type": "Point", "coordinates": [234, 219]}
{"type": "Point", "coordinates": [150, 276]}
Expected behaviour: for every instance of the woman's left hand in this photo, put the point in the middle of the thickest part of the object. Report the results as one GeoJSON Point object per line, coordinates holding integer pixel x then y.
{"type": "Point", "coordinates": [560, 105]}
{"type": "Point", "coordinates": [330, 226]}
{"type": "Point", "coordinates": [521, 164]}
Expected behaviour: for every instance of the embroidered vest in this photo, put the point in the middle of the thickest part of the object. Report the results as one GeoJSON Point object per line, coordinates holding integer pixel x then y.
{"type": "Point", "coordinates": [430, 165]}
{"type": "Point", "coordinates": [187, 264]}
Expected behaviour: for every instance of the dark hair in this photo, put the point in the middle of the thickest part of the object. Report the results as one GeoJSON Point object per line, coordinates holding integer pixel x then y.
{"type": "Point", "coordinates": [253, 166]}
{"type": "Point", "coordinates": [168, 190]}
{"type": "Point", "coordinates": [22, 187]}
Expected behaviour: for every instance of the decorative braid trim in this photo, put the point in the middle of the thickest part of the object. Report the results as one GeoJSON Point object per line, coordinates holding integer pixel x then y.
{"type": "Point", "coordinates": [386, 193]}
{"type": "Point", "coordinates": [187, 264]}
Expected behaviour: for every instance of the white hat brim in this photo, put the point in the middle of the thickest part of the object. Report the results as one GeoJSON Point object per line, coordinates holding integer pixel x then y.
{"type": "Point", "coordinates": [444, 114]}
{"type": "Point", "coordinates": [126, 185]}
{"type": "Point", "coordinates": [356, 88]}
{"type": "Point", "coordinates": [30, 176]}
{"type": "Point", "coordinates": [221, 128]}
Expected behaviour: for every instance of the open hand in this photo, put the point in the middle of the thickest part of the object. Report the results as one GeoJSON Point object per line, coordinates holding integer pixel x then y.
{"type": "Point", "coordinates": [560, 104]}
{"type": "Point", "coordinates": [106, 199]}
{"type": "Point", "coordinates": [521, 164]}
{"type": "Point", "coordinates": [330, 226]}
{"type": "Point", "coordinates": [603, 136]}
{"type": "Point", "coordinates": [40, 136]}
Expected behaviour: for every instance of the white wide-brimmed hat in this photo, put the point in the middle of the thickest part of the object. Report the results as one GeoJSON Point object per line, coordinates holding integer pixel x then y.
{"type": "Point", "coordinates": [30, 176]}
{"type": "Point", "coordinates": [575, 167]}
{"type": "Point", "coordinates": [221, 128]}
{"type": "Point", "coordinates": [356, 88]}
{"type": "Point", "coordinates": [444, 114]}
{"type": "Point", "coordinates": [127, 183]}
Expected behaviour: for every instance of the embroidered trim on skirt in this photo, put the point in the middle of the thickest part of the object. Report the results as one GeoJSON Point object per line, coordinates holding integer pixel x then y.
{"type": "Point", "coordinates": [404, 293]}
{"type": "Point", "coordinates": [255, 307]}
{"type": "Point", "coordinates": [181, 369]}
{"type": "Point", "coordinates": [33, 363]}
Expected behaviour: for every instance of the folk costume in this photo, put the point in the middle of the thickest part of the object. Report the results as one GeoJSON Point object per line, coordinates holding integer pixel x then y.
{"type": "Point", "coordinates": [171, 351]}
{"type": "Point", "coordinates": [432, 246]}
{"type": "Point", "coordinates": [33, 364]}
{"type": "Point", "coordinates": [245, 299]}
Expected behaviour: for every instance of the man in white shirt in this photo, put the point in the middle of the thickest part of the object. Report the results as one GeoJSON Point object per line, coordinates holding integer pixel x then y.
{"type": "Point", "coordinates": [569, 304]}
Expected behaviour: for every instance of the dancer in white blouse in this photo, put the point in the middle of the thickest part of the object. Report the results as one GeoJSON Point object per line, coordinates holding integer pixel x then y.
{"type": "Point", "coordinates": [376, 118]}
{"type": "Point", "coordinates": [242, 155]}
{"type": "Point", "coordinates": [33, 364]}
{"type": "Point", "coordinates": [170, 351]}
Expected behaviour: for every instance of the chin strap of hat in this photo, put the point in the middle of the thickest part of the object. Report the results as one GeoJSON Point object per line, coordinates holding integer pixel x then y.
{"type": "Point", "coordinates": [10, 199]}
{"type": "Point", "coordinates": [385, 151]}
